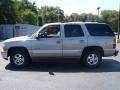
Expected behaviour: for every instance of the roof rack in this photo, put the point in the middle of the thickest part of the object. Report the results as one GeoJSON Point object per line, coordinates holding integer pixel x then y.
{"type": "Point", "coordinates": [90, 22]}
{"type": "Point", "coordinates": [82, 22]}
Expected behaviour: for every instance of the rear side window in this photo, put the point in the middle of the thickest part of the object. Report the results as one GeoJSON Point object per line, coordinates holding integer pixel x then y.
{"type": "Point", "coordinates": [73, 31]}
{"type": "Point", "coordinates": [99, 30]}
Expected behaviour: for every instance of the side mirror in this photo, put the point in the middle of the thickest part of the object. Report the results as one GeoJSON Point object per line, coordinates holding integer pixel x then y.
{"type": "Point", "coordinates": [41, 35]}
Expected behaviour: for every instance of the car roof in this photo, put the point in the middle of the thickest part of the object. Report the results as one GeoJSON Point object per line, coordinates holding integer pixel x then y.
{"type": "Point", "coordinates": [58, 23]}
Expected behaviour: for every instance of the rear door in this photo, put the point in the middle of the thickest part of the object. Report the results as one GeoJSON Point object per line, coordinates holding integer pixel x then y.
{"type": "Point", "coordinates": [73, 40]}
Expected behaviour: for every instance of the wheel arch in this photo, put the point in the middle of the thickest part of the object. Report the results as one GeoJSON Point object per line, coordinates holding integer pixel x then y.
{"type": "Point", "coordinates": [10, 50]}
{"type": "Point", "coordinates": [89, 48]}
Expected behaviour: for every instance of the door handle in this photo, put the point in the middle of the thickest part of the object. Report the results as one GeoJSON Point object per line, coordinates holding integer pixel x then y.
{"type": "Point", "coordinates": [58, 42]}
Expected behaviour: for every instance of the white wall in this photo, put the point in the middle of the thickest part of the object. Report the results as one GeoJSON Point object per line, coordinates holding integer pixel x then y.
{"type": "Point", "coordinates": [25, 29]}
{"type": "Point", "coordinates": [15, 30]}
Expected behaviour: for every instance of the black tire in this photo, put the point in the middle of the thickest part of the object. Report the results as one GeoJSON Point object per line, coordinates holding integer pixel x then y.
{"type": "Point", "coordinates": [91, 62]}
{"type": "Point", "coordinates": [25, 60]}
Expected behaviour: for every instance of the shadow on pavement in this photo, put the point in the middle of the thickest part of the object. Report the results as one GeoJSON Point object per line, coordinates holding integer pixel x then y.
{"type": "Point", "coordinates": [109, 65]}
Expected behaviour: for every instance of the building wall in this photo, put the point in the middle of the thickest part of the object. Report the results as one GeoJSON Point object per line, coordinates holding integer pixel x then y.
{"type": "Point", "coordinates": [15, 30]}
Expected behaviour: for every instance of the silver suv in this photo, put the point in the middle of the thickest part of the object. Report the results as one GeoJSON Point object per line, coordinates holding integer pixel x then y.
{"type": "Point", "coordinates": [87, 41]}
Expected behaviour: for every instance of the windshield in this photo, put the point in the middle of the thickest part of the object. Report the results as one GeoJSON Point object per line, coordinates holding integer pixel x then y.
{"type": "Point", "coordinates": [36, 33]}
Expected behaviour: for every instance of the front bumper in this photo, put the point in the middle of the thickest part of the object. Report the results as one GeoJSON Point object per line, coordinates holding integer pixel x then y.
{"type": "Point", "coordinates": [116, 52]}
{"type": "Point", "coordinates": [4, 55]}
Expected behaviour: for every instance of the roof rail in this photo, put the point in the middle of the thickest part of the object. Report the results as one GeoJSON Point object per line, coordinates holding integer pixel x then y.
{"type": "Point", "coordinates": [91, 22]}
{"type": "Point", "coordinates": [82, 22]}
{"type": "Point", "coordinates": [75, 22]}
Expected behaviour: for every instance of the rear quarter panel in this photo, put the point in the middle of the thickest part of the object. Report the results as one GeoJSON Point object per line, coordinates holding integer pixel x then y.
{"type": "Point", "coordinates": [106, 42]}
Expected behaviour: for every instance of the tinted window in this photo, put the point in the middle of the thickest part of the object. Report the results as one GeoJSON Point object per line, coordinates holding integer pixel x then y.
{"type": "Point", "coordinates": [99, 30]}
{"type": "Point", "coordinates": [73, 31]}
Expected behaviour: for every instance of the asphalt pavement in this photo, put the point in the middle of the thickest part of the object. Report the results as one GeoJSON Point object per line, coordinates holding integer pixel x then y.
{"type": "Point", "coordinates": [61, 76]}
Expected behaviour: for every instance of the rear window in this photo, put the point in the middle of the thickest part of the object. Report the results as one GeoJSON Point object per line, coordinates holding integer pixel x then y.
{"type": "Point", "coordinates": [99, 30]}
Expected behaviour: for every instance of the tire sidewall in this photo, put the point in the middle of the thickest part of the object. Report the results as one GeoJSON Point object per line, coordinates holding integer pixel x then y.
{"type": "Point", "coordinates": [86, 56]}
{"type": "Point", "coordinates": [26, 59]}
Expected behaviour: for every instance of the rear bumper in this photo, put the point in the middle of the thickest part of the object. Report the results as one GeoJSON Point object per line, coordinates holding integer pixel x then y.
{"type": "Point", "coordinates": [116, 52]}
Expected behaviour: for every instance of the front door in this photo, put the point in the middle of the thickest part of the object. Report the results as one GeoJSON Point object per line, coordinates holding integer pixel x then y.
{"type": "Point", "coordinates": [50, 45]}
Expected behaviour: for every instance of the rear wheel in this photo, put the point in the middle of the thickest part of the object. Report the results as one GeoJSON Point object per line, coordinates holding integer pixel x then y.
{"type": "Point", "coordinates": [19, 59]}
{"type": "Point", "coordinates": [92, 59]}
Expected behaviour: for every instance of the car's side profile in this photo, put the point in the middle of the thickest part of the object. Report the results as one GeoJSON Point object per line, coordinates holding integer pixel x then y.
{"type": "Point", "coordinates": [85, 40]}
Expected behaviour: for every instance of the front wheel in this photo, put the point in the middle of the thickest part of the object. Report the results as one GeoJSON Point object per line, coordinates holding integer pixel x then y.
{"type": "Point", "coordinates": [92, 59]}
{"type": "Point", "coordinates": [19, 59]}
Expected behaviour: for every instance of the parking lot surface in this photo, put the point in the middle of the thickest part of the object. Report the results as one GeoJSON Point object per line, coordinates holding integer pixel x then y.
{"type": "Point", "coordinates": [61, 76]}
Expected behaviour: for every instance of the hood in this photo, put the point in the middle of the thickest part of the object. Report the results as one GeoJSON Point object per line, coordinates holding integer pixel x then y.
{"type": "Point", "coordinates": [22, 38]}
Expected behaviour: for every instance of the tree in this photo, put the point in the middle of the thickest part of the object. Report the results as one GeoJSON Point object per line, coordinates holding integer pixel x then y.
{"type": "Point", "coordinates": [92, 18]}
{"type": "Point", "coordinates": [111, 18]}
{"type": "Point", "coordinates": [74, 17]}
{"type": "Point", "coordinates": [66, 18]}
{"type": "Point", "coordinates": [25, 4]}
{"type": "Point", "coordinates": [40, 20]}
{"type": "Point", "coordinates": [83, 17]}
{"type": "Point", "coordinates": [12, 11]}
{"type": "Point", "coordinates": [29, 17]}
{"type": "Point", "coordinates": [7, 12]}
{"type": "Point", "coordinates": [51, 14]}
{"type": "Point", "coordinates": [96, 18]}
{"type": "Point", "coordinates": [24, 11]}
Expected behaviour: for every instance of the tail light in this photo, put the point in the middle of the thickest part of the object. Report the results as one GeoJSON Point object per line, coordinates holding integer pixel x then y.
{"type": "Point", "coordinates": [114, 43]}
